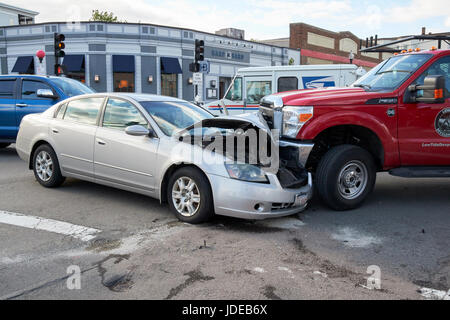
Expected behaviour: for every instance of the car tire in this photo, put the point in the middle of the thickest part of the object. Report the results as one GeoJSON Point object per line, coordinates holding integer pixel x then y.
{"type": "Point", "coordinates": [46, 167]}
{"type": "Point", "coordinates": [192, 203]}
{"type": "Point", "coordinates": [4, 145]}
{"type": "Point", "coordinates": [345, 177]}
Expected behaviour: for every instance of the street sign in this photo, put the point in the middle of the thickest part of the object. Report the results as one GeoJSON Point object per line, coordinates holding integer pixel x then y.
{"type": "Point", "coordinates": [197, 78]}
{"type": "Point", "coordinates": [204, 66]}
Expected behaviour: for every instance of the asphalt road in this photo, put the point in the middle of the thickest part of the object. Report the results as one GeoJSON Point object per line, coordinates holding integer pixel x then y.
{"type": "Point", "coordinates": [142, 251]}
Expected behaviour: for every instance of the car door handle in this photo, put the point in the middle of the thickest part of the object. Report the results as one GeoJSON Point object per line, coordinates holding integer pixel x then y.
{"type": "Point", "coordinates": [101, 142]}
{"type": "Point", "coordinates": [21, 105]}
{"type": "Point", "coordinates": [55, 130]}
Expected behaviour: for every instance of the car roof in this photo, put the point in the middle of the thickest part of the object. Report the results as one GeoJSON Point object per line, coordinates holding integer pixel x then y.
{"type": "Point", "coordinates": [142, 96]}
{"type": "Point", "coordinates": [29, 76]}
{"type": "Point", "coordinates": [138, 97]}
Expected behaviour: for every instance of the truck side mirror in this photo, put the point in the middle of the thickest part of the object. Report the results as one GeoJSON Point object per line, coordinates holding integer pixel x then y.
{"type": "Point", "coordinates": [433, 89]}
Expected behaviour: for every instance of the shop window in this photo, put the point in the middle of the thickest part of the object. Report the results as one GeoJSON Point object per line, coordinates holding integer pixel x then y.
{"type": "Point", "coordinates": [123, 81]}
{"type": "Point", "coordinates": [169, 84]}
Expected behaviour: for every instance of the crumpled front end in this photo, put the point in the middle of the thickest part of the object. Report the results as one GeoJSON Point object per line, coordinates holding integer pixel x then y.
{"type": "Point", "coordinates": [247, 139]}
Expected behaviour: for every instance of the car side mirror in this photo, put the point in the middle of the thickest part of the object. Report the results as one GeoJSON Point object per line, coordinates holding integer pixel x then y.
{"type": "Point", "coordinates": [433, 90]}
{"type": "Point", "coordinates": [46, 93]}
{"type": "Point", "coordinates": [138, 130]}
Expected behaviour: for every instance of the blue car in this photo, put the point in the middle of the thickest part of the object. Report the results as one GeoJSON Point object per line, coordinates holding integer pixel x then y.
{"type": "Point", "coordinates": [24, 94]}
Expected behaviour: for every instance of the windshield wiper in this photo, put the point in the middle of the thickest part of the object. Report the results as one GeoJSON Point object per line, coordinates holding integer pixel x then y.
{"type": "Point", "coordinates": [361, 85]}
{"type": "Point", "coordinates": [388, 71]}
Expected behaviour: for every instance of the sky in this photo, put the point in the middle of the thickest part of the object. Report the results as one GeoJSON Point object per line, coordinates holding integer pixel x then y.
{"type": "Point", "coordinates": [261, 19]}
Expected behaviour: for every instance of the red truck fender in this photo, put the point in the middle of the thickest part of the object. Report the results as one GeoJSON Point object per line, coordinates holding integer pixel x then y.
{"type": "Point", "coordinates": [355, 118]}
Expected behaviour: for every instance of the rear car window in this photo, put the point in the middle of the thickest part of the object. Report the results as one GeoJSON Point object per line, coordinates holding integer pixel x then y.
{"type": "Point", "coordinates": [7, 88]}
{"type": "Point", "coordinates": [84, 110]}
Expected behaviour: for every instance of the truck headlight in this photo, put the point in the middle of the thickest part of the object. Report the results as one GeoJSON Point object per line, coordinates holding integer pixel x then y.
{"type": "Point", "coordinates": [294, 118]}
{"type": "Point", "coordinates": [246, 172]}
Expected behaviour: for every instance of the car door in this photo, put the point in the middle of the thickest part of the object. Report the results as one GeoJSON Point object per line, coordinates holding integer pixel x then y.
{"type": "Point", "coordinates": [73, 133]}
{"type": "Point", "coordinates": [28, 100]}
{"type": "Point", "coordinates": [121, 159]}
{"type": "Point", "coordinates": [424, 128]}
{"type": "Point", "coordinates": [8, 126]}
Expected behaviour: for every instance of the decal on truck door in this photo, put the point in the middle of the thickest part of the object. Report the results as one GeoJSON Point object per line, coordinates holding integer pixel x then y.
{"type": "Point", "coordinates": [318, 82]}
{"type": "Point", "coordinates": [442, 123]}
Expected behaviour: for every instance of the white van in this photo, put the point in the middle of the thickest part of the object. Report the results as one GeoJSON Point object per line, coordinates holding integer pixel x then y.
{"type": "Point", "coordinates": [251, 84]}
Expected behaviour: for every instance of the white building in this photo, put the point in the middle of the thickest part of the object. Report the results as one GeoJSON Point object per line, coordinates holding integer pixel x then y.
{"type": "Point", "coordinates": [10, 15]}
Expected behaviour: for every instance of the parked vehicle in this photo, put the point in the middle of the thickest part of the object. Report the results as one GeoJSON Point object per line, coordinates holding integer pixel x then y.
{"type": "Point", "coordinates": [395, 118]}
{"type": "Point", "coordinates": [24, 94]}
{"type": "Point", "coordinates": [138, 143]}
{"type": "Point", "coordinates": [250, 85]}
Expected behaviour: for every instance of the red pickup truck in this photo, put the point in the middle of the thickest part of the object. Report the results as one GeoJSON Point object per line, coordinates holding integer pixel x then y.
{"type": "Point", "coordinates": [395, 118]}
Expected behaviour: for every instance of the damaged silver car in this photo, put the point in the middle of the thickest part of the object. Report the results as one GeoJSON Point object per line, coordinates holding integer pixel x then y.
{"type": "Point", "coordinates": [168, 149]}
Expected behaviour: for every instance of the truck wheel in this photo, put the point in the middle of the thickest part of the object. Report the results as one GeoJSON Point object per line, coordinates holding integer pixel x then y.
{"type": "Point", "coordinates": [4, 145]}
{"type": "Point", "coordinates": [345, 176]}
{"type": "Point", "coordinates": [46, 167]}
{"type": "Point", "coordinates": [189, 195]}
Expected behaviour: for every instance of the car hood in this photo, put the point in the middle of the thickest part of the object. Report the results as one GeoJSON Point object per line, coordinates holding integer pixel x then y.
{"type": "Point", "coordinates": [330, 96]}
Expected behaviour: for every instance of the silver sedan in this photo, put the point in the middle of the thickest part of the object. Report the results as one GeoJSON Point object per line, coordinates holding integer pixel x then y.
{"type": "Point", "coordinates": [134, 142]}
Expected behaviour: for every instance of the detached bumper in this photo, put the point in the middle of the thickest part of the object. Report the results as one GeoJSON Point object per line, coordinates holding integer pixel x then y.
{"type": "Point", "coordinates": [258, 201]}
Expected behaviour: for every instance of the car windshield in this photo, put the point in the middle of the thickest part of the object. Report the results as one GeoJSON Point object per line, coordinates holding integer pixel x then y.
{"type": "Point", "coordinates": [71, 87]}
{"type": "Point", "coordinates": [173, 116]}
{"type": "Point", "coordinates": [390, 74]}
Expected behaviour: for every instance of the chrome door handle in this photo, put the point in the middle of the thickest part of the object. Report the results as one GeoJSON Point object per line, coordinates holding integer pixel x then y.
{"type": "Point", "coordinates": [101, 142]}
{"type": "Point", "coordinates": [21, 105]}
{"type": "Point", "coordinates": [55, 130]}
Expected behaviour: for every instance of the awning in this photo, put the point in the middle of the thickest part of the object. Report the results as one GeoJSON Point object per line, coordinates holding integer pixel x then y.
{"type": "Point", "coordinates": [123, 63]}
{"type": "Point", "coordinates": [24, 65]}
{"type": "Point", "coordinates": [74, 62]}
{"type": "Point", "coordinates": [170, 65]}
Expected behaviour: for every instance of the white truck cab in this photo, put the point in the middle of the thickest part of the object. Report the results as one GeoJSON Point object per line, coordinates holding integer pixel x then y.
{"type": "Point", "coordinates": [251, 84]}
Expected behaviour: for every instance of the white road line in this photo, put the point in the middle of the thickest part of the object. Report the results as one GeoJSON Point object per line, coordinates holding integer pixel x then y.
{"type": "Point", "coordinates": [50, 225]}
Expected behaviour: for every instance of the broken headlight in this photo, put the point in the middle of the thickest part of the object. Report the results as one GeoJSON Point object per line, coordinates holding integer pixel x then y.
{"type": "Point", "coordinates": [246, 172]}
{"type": "Point", "coordinates": [294, 118]}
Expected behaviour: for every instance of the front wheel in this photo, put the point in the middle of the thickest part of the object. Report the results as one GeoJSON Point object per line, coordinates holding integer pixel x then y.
{"type": "Point", "coordinates": [345, 177]}
{"type": "Point", "coordinates": [46, 167]}
{"type": "Point", "coordinates": [189, 195]}
{"type": "Point", "coordinates": [4, 145]}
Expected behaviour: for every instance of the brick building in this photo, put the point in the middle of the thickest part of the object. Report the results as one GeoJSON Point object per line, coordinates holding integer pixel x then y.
{"type": "Point", "coordinates": [320, 46]}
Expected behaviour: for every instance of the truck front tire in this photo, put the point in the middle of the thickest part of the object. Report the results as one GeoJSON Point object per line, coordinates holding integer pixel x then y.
{"type": "Point", "coordinates": [345, 177]}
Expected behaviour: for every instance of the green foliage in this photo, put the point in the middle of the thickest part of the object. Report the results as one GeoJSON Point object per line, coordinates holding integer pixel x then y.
{"type": "Point", "coordinates": [104, 16]}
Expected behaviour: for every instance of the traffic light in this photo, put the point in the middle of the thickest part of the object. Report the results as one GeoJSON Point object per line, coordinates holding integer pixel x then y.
{"type": "Point", "coordinates": [59, 45]}
{"type": "Point", "coordinates": [59, 52]}
{"type": "Point", "coordinates": [194, 67]}
{"type": "Point", "coordinates": [199, 50]}
{"type": "Point", "coordinates": [199, 56]}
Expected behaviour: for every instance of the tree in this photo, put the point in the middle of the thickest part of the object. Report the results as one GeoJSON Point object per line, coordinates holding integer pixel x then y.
{"type": "Point", "coordinates": [103, 16]}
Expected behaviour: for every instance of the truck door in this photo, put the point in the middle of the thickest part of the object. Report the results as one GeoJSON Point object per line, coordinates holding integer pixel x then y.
{"type": "Point", "coordinates": [424, 128]}
{"type": "Point", "coordinates": [28, 101]}
{"type": "Point", "coordinates": [8, 127]}
{"type": "Point", "coordinates": [255, 89]}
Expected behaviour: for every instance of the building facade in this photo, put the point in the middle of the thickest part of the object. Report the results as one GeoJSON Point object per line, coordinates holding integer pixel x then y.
{"type": "Point", "coordinates": [140, 58]}
{"type": "Point", "coordinates": [320, 46]}
{"type": "Point", "coordinates": [414, 44]}
{"type": "Point", "coordinates": [10, 15]}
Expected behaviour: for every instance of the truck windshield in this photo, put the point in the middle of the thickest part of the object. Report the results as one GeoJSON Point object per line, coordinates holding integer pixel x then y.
{"type": "Point", "coordinates": [71, 87]}
{"type": "Point", "coordinates": [390, 74]}
{"type": "Point", "coordinates": [235, 93]}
